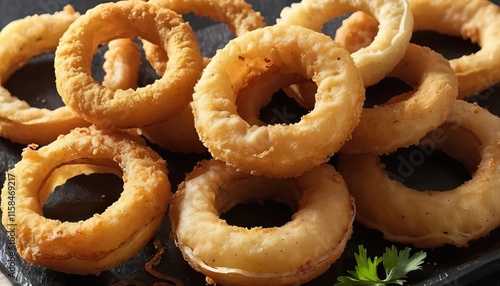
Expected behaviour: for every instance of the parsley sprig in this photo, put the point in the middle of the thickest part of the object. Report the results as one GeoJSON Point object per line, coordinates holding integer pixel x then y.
{"type": "Point", "coordinates": [396, 266]}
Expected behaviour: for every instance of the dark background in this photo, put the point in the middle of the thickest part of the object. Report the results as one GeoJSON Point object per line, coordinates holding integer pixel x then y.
{"type": "Point", "coordinates": [82, 196]}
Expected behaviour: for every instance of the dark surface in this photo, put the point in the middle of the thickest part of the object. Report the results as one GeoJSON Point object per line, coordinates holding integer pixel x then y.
{"type": "Point", "coordinates": [82, 196]}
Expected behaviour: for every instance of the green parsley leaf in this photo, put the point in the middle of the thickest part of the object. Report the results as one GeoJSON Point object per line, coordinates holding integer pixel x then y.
{"type": "Point", "coordinates": [396, 265]}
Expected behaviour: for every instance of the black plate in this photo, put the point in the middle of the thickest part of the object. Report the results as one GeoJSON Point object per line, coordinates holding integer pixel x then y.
{"type": "Point", "coordinates": [82, 196]}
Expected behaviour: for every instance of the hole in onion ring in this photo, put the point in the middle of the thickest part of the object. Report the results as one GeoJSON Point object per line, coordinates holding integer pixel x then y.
{"type": "Point", "coordinates": [452, 47]}
{"type": "Point", "coordinates": [29, 83]}
{"type": "Point", "coordinates": [259, 203]}
{"type": "Point", "coordinates": [282, 110]}
{"type": "Point", "coordinates": [386, 89]}
{"type": "Point", "coordinates": [130, 64]}
{"type": "Point", "coordinates": [75, 196]}
{"type": "Point", "coordinates": [422, 167]}
{"type": "Point", "coordinates": [264, 214]}
{"type": "Point", "coordinates": [147, 74]}
{"type": "Point", "coordinates": [273, 105]}
{"type": "Point", "coordinates": [97, 62]}
{"type": "Point", "coordinates": [417, 170]}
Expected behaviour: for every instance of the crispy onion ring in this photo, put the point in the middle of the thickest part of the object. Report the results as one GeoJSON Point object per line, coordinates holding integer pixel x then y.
{"type": "Point", "coordinates": [127, 108]}
{"type": "Point", "coordinates": [122, 64]}
{"type": "Point", "coordinates": [278, 150]}
{"type": "Point", "coordinates": [476, 20]}
{"type": "Point", "coordinates": [23, 39]}
{"type": "Point", "coordinates": [432, 218]}
{"type": "Point", "coordinates": [389, 46]}
{"type": "Point", "coordinates": [383, 129]}
{"type": "Point", "coordinates": [292, 254]}
{"type": "Point", "coordinates": [237, 14]}
{"type": "Point", "coordinates": [104, 240]}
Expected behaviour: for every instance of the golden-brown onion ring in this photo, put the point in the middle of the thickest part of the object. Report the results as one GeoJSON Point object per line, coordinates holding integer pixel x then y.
{"type": "Point", "coordinates": [104, 240]}
{"type": "Point", "coordinates": [432, 218]}
{"type": "Point", "coordinates": [291, 254]}
{"type": "Point", "coordinates": [127, 108]}
{"type": "Point", "coordinates": [278, 150]}
{"type": "Point", "coordinates": [122, 64]}
{"type": "Point", "coordinates": [389, 46]}
{"type": "Point", "coordinates": [21, 40]}
{"type": "Point", "coordinates": [476, 20]}
{"type": "Point", "coordinates": [384, 128]}
{"type": "Point", "coordinates": [237, 14]}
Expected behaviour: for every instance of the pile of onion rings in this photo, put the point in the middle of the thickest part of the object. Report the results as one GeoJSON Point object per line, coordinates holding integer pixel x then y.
{"type": "Point", "coordinates": [384, 128]}
{"type": "Point", "coordinates": [476, 20]}
{"type": "Point", "coordinates": [212, 105]}
{"type": "Point", "coordinates": [178, 133]}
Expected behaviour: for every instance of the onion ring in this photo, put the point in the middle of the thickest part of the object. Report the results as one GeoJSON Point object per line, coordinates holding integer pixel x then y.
{"type": "Point", "coordinates": [278, 150]}
{"type": "Point", "coordinates": [21, 40]}
{"type": "Point", "coordinates": [385, 128]}
{"type": "Point", "coordinates": [292, 254]}
{"type": "Point", "coordinates": [127, 108]}
{"type": "Point", "coordinates": [237, 14]}
{"type": "Point", "coordinates": [476, 20]}
{"type": "Point", "coordinates": [79, 247]}
{"type": "Point", "coordinates": [122, 64]}
{"type": "Point", "coordinates": [389, 46]}
{"type": "Point", "coordinates": [432, 218]}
